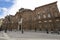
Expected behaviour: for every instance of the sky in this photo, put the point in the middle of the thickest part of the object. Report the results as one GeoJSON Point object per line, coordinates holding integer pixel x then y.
{"type": "Point", "coordinates": [10, 7]}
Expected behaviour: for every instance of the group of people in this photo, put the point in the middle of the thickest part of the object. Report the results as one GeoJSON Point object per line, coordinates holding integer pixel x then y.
{"type": "Point", "coordinates": [1, 28]}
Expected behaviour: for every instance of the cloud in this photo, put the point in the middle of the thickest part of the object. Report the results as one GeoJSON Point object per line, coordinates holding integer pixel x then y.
{"type": "Point", "coordinates": [30, 4]}
{"type": "Point", "coordinates": [7, 0]}
{"type": "Point", "coordinates": [13, 9]}
{"type": "Point", "coordinates": [4, 10]}
{"type": "Point", "coordinates": [0, 9]}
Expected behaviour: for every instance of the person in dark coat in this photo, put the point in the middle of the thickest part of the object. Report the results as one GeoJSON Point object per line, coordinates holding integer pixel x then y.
{"type": "Point", "coordinates": [0, 28]}
{"type": "Point", "coordinates": [47, 31]}
{"type": "Point", "coordinates": [5, 29]}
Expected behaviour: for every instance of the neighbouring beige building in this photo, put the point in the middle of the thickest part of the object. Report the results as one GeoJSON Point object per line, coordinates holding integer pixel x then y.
{"type": "Point", "coordinates": [1, 22]}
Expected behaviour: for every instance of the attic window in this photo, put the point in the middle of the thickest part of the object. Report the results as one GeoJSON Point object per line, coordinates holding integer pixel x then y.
{"type": "Point", "coordinates": [38, 13]}
{"type": "Point", "coordinates": [50, 20]}
{"type": "Point", "coordinates": [45, 21]}
{"type": "Point", "coordinates": [57, 20]}
{"type": "Point", "coordinates": [39, 21]}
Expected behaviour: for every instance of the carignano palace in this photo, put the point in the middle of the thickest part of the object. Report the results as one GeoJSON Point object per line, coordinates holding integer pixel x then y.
{"type": "Point", "coordinates": [41, 18]}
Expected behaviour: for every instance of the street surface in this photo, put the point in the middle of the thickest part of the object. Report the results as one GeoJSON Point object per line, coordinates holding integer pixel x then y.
{"type": "Point", "coordinates": [28, 35]}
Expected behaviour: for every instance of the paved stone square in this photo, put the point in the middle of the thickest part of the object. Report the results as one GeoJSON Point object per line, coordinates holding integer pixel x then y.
{"type": "Point", "coordinates": [27, 35]}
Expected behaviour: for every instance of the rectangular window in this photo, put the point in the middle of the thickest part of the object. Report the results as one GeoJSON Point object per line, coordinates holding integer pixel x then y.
{"type": "Point", "coordinates": [49, 15]}
{"type": "Point", "coordinates": [57, 19]}
{"type": "Point", "coordinates": [50, 20]}
{"type": "Point", "coordinates": [44, 16]}
{"type": "Point", "coordinates": [39, 21]}
{"type": "Point", "coordinates": [45, 21]}
{"type": "Point", "coordinates": [38, 15]}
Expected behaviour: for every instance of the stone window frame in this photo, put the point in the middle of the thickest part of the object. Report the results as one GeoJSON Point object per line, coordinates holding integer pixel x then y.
{"type": "Point", "coordinates": [49, 15]}
{"type": "Point", "coordinates": [55, 10]}
{"type": "Point", "coordinates": [44, 16]}
{"type": "Point", "coordinates": [39, 15]}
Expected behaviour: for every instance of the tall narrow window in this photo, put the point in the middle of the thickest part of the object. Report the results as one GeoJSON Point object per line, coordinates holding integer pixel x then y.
{"type": "Point", "coordinates": [44, 16]}
{"type": "Point", "coordinates": [49, 15]}
{"type": "Point", "coordinates": [38, 15]}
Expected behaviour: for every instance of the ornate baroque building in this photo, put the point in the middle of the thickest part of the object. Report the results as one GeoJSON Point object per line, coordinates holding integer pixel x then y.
{"type": "Point", "coordinates": [42, 18]}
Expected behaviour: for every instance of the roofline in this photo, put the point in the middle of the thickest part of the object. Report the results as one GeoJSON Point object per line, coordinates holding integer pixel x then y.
{"type": "Point", "coordinates": [46, 4]}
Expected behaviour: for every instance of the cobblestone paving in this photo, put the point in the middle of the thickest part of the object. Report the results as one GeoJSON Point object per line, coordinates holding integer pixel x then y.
{"type": "Point", "coordinates": [28, 36]}
{"type": "Point", "coordinates": [2, 39]}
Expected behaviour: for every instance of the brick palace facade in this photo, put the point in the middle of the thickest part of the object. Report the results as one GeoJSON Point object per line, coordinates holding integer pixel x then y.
{"type": "Point", "coordinates": [41, 18]}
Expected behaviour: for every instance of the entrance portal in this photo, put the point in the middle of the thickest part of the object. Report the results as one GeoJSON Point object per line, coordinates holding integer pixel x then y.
{"type": "Point", "coordinates": [19, 27]}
